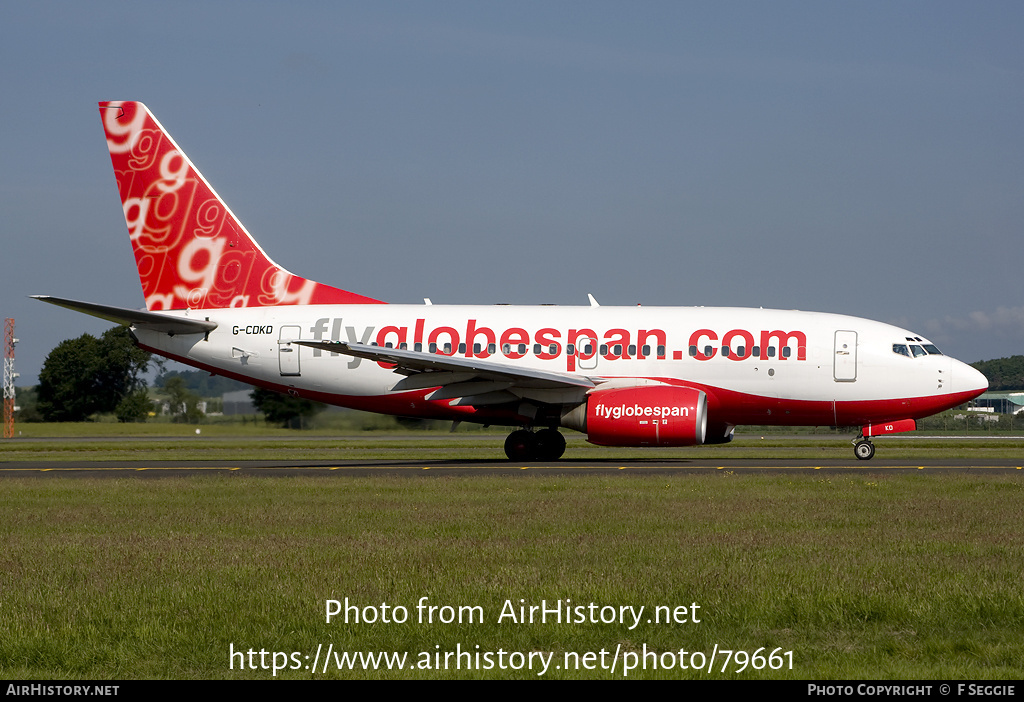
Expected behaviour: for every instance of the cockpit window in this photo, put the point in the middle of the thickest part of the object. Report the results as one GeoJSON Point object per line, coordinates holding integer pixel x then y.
{"type": "Point", "coordinates": [916, 350]}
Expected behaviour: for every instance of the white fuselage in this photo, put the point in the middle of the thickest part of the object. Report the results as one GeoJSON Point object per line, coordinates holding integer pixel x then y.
{"type": "Point", "coordinates": [756, 365]}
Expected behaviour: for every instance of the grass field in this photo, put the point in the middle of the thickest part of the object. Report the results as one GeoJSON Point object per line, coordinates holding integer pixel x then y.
{"type": "Point", "coordinates": [861, 576]}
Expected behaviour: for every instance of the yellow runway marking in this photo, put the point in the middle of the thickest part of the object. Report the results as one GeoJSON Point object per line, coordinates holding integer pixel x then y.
{"type": "Point", "coordinates": [139, 470]}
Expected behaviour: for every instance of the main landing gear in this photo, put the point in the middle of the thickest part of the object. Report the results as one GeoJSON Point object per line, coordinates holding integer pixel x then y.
{"type": "Point", "coordinates": [863, 448]}
{"type": "Point", "coordinates": [543, 445]}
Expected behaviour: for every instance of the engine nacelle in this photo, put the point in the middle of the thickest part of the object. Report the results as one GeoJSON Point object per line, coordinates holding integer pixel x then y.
{"type": "Point", "coordinates": [651, 415]}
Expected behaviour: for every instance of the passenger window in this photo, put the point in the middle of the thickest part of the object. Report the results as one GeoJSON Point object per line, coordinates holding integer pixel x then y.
{"type": "Point", "coordinates": [553, 349]}
{"type": "Point", "coordinates": [433, 348]}
{"type": "Point", "coordinates": [708, 351]}
{"type": "Point", "coordinates": [786, 352]}
{"type": "Point", "coordinates": [740, 350]}
{"type": "Point", "coordinates": [570, 349]}
{"type": "Point", "coordinates": [632, 349]}
{"type": "Point", "coordinates": [522, 348]}
{"type": "Point", "coordinates": [661, 350]}
{"type": "Point", "coordinates": [725, 351]}
{"type": "Point", "coordinates": [491, 348]}
{"type": "Point", "coordinates": [536, 349]}
{"type": "Point", "coordinates": [771, 352]}
{"type": "Point", "coordinates": [417, 346]}
{"type": "Point", "coordinates": [462, 348]}
{"type": "Point", "coordinates": [604, 349]}
{"type": "Point", "coordinates": [646, 349]}
{"type": "Point", "coordinates": [693, 350]}
{"type": "Point", "coordinates": [756, 351]}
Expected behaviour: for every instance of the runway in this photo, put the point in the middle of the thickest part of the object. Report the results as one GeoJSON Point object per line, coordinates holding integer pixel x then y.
{"type": "Point", "coordinates": [494, 467]}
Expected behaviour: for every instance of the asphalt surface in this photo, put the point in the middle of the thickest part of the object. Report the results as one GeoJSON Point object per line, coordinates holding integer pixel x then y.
{"type": "Point", "coordinates": [464, 468]}
{"type": "Point", "coordinates": [652, 464]}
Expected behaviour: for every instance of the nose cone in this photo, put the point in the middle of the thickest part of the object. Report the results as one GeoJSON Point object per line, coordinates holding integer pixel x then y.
{"type": "Point", "coordinates": [968, 381]}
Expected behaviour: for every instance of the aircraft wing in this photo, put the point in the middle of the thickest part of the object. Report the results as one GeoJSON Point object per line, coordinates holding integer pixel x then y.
{"type": "Point", "coordinates": [471, 381]}
{"type": "Point", "coordinates": [136, 318]}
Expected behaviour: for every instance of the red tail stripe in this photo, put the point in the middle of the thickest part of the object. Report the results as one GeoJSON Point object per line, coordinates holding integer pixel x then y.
{"type": "Point", "coordinates": [191, 250]}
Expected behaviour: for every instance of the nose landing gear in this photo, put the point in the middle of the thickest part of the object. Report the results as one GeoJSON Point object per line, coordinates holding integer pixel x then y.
{"type": "Point", "coordinates": [863, 449]}
{"type": "Point", "coordinates": [544, 445]}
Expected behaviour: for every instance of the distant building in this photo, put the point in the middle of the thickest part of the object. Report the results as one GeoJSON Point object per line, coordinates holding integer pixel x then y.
{"type": "Point", "coordinates": [1001, 402]}
{"type": "Point", "coordinates": [238, 402]}
{"type": "Point", "coordinates": [165, 407]}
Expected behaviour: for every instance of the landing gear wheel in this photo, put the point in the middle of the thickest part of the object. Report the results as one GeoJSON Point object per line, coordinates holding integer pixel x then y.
{"type": "Point", "coordinates": [550, 445]}
{"type": "Point", "coordinates": [864, 450]}
{"type": "Point", "coordinates": [521, 445]}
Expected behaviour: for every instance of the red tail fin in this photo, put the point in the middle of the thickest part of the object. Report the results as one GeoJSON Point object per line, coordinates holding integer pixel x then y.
{"type": "Point", "coordinates": [190, 248]}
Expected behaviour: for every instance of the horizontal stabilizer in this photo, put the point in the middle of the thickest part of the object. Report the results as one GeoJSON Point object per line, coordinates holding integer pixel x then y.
{"type": "Point", "coordinates": [134, 318]}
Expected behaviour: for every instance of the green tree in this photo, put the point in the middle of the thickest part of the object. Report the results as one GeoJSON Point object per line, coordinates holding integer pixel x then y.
{"type": "Point", "coordinates": [283, 409]}
{"type": "Point", "coordinates": [123, 364]}
{"type": "Point", "coordinates": [85, 376]}
{"type": "Point", "coordinates": [184, 403]}
{"type": "Point", "coordinates": [66, 381]}
{"type": "Point", "coordinates": [134, 407]}
{"type": "Point", "coordinates": [27, 400]}
{"type": "Point", "coordinates": [201, 382]}
{"type": "Point", "coordinates": [1003, 373]}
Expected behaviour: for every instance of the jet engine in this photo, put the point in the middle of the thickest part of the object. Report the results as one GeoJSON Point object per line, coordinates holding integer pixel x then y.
{"type": "Point", "coordinates": [651, 415]}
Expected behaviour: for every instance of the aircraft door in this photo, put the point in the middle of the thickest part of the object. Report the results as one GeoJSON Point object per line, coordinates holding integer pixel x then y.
{"type": "Point", "coordinates": [845, 365]}
{"type": "Point", "coordinates": [287, 352]}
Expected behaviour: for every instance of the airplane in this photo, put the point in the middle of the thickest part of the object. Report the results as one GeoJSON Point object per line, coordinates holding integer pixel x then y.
{"type": "Point", "coordinates": [623, 376]}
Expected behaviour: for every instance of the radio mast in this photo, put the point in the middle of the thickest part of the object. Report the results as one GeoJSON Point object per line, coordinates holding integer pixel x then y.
{"type": "Point", "coordinates": [9, 376]}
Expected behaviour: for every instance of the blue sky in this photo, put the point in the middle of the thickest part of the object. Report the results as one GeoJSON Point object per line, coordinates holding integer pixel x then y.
{"type": "Point", "coordinates": [863, 158]}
